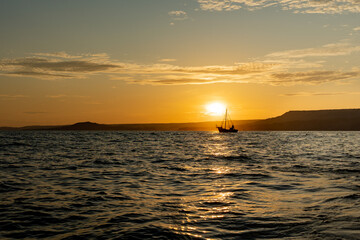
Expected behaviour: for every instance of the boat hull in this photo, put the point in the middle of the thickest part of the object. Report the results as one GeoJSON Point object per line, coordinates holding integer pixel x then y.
{"type": "Point", "coordinates": [224, 130]}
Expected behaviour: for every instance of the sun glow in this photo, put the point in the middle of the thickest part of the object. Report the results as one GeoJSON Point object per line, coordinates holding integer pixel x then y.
{"type": "Point", "coordinates": [215, 109]}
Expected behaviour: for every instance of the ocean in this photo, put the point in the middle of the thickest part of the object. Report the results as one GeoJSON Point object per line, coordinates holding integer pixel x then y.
{"type": "Point", "coordinates": [179, 185]}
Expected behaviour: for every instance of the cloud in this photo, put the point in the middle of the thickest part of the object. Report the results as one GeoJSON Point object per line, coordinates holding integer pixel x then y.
{"type": "Point", "coordinates": [9, 96]}
{"type": "Point", "coordinates": [334, 49]}
{"type": "Point", "coordinates": [64, 55]}
{"type": "Point", "coordinates": [167, 74]}
{"type": "Point", "coordinates": [57, 55]}
{"type": "Point", "coordinates": [297, 6]}
{"type": "Point", "coordinates": [178, 15]}
{"type": "Point", "coordinates": [58, 65]}
{"type": "Point", "coordinates": [177, 81]}
{"type": "Point", "coordinates": [312, 77]}
{"type": "Point", "coordinates": [262, 73]}
{"type": "Point", "coordinates": [307, 94]}
{"type": "Point", "coordinates": [167, 60]}
{"type": "Point", "coordinates": [38, 74]}
{"type": "Point", "coordinates": [238, 69]}
{"type": "Point", "coordinates": [219, 5]}
{"type": "Point", "coordinates": [279, 68]}
{"type": "Point", "coordinates": [356, 28]}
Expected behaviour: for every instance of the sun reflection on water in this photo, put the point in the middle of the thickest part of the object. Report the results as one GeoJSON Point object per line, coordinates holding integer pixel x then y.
{"type": "Point", "coordinates": [220, 170]}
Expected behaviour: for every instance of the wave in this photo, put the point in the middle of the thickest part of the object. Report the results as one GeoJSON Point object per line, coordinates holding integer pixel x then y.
{"type": "Point", "coordinates": [165, 185]}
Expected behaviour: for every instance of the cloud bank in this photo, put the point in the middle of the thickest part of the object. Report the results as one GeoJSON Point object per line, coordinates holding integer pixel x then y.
{"type": "Point", "coordinates": [297, 6]}
{"type": "Point", "coordinates": [278, 68]}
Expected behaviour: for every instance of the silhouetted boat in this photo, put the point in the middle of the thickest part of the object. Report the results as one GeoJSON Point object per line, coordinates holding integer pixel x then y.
{"type": "Point", "coordinates": [225, 123]}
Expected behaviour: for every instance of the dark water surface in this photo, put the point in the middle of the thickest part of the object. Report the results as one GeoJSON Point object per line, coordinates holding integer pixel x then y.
{"type": "Point", "coordinates": [180, 185]}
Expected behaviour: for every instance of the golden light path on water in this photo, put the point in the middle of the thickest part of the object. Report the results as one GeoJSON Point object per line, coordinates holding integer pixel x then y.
{"type": "Point", "coordinates": [214, 193]}
{"type": "Point", "coordinates": [215, 201]}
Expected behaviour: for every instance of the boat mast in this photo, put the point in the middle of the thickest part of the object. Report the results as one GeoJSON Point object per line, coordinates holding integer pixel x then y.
{"type": "Point", "coordinates": [225, 118]}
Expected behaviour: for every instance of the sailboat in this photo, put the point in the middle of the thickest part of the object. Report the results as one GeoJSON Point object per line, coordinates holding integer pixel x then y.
{"type": "Point", "coordinates": [226, 123]}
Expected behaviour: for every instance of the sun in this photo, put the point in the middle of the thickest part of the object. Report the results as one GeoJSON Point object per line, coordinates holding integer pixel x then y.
{"type": "Point", "coordinates": [215, 109]}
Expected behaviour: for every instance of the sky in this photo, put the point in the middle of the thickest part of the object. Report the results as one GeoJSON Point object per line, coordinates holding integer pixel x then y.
{"type": "Point", "coordinates": [159, 61]}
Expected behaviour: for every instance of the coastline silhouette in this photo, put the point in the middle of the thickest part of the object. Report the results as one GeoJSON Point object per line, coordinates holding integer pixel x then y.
{"type": "Point", "coordinates": [313, 120]}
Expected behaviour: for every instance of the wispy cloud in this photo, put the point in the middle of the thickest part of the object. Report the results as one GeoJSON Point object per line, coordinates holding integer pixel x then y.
{"type": "Point", "coordinates": [270, 73]}
{"type": "Point", "coordinates": [312, 77]}
{"type": "Point", "coordinates": [278, 68]}
{"type": "Point", "coordinates": [178, 15]}
{"type": "Point", "coordinates": [84, 56]}
{"type": "Point", "coordinates": [171, 74]}
{"type": "Point", "coordinates": [10, 96]}
{"type": "Point", "coordinates": [238, 69]}
{"type": "Point", "coordinates": [58, 55]}
{"type": "Point", "coordinates": [38, 74]}
{"type": "Point", "coordinates": [334, 49]}
{"type": "Point", "coordinates": [297, 6]}
{"type": "Point", "coordinates": [58, 65]}
{"type": "Point", "coordinates": [356, 28]}
{"type": "Point", "coordinates": [167, 60]}
{"type": "Point", "coordinates": [307, 94]}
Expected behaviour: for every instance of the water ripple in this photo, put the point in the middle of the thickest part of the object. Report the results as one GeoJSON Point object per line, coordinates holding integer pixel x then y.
{"type": "Point", "coordinates": [179, 185]}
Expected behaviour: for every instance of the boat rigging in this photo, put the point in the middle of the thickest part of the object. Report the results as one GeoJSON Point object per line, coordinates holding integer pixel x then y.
{"type": "Point", "coordinates": [226, 123]}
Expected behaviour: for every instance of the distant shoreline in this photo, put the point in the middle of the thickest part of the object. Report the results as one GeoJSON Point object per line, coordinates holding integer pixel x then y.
{"type": "Point", "coordinates": [314, 120]}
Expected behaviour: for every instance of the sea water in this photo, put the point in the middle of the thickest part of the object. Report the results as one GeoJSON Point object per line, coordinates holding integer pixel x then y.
{"type": "Point", "coordinates": [179, 185]}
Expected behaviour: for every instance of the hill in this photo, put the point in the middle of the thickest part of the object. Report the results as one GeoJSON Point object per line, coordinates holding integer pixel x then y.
{"type": "Point", "coordinates": [316, 120]}
{"type": "Point", "coordinates": [322, 120]}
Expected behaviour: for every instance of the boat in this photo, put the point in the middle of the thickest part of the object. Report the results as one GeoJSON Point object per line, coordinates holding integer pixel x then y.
{"type": "Point", "coordinates": [226, 123]}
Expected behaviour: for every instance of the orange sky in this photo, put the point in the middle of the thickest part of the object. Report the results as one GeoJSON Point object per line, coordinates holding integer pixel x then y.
{"type": "Point", "coordinates": [149, 61]}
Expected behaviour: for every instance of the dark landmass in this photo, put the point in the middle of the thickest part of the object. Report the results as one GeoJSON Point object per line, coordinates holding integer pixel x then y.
{"type": "Point", "coordinates": [317, 120]}
{"type": "Point", "coordinates": [89, 126]}
{"type": "Point", "coordinates": [201, 126]}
